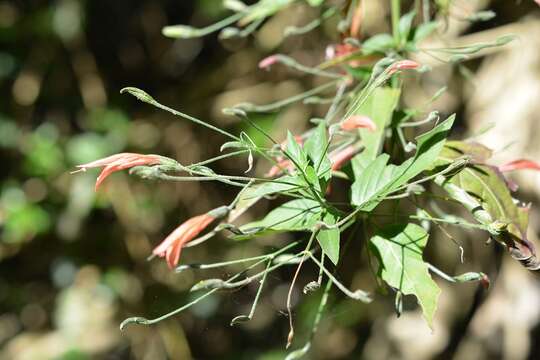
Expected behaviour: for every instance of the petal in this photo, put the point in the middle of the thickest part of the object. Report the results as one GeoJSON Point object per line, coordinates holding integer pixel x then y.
{"type": "Point", "coordinates": [105, 161]}
{"type": "Point", "coordinates": [340, 158]}
{"type": "Point", "coordinates": [107, 170]}
{"type": "Point", "coordinates": [358, 122]}
{"type": "Point", "coordinates": [170, 240]}
{"type": "Point", "coordinates": [173, 255]}
{"type": "Point", "coordinates": [520, 164]}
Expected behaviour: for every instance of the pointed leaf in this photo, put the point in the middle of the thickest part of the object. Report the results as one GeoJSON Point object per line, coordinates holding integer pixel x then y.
{"type": "Point", "coordinates": [295, 215]}
{"type": "Point", "coordinates": [399, 249]}
{"type": "Point", "coordinates": [329, 238]}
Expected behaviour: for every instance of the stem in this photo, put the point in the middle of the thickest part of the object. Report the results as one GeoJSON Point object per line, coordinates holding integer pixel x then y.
{"type": "Point", "coordinates": [395, 11]}
{"type": "Point", "coordinates": [289, 295]}
{"type": "Point", "coordinates": [357, 295]}
{"type": "Point", "coordinates": [256, 300]}
{"type": "Point", "coordinates": [144, 321]}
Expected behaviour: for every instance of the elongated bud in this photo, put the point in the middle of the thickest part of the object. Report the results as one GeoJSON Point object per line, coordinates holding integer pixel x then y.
{"type": "Point", "coordinates": [267, 62]}
{"type": "Point", "coordinates": [403, 65]}
{"type": "Point", "coordinates": [358, 122]}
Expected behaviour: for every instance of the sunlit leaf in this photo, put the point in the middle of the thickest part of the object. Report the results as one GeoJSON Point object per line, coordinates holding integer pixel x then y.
{"type": "Point", "coordinates": [329, 238]}
{"type": "Point", "coordinates": [400, 249]}
{"type": "Point", "coordinates": [295, 215]}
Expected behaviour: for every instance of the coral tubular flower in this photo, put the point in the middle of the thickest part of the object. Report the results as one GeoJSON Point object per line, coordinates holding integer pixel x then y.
{"type": "Point", "coordinates": [520, 164]}
{"type": "Point", "coordinates": [119, 162]}
{"type": "Point", "coordinates": [341, 157]}
{"type": "Point", "coordinates": [267, 62]}
{"type": "Point", "coordinates": [171, 247]}
{"type": "Point", "coordinates": [357, 122]}
{"type": "Point", "coordinates": [403, 65]}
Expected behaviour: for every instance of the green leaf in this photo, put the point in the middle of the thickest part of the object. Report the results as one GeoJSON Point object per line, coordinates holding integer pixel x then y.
{"type": "Point", "coordinates": [295, 151]}
{"type": "Point", "coordinates": [486, 185]}
{"type": "Point", "coordinates": [378, 179]}
{"type": "Point", "coordinates": [281, 185]}
{"type": "Point", "coordinates": [379, 43]}
{"type": "Point", "coordinates": [316, 147]}
{"type": "Point", "coordinates": [329, 239]}
{"type": "Point", "coordinates": [295, 215]}
{"type": "Point", "coordinates": [399, 249]}
{"type": "Point", "coordinates": [379, 107]}
{"type": "Point", "coordinates": [315, 3]}
{"type": "Point", "coordinates": [404, 26]}
{"type": "Point", "coordinates": [424, 30]}
{"type": "Point", "coordinates": [429, 145]}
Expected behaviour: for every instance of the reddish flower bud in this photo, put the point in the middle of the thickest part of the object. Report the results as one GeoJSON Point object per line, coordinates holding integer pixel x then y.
{"type": "Point", "coordinates": [341, 157]}
{"type": "Point", "coordinates": [403, 65]}
{"type": "Point", "coordinates": [280, 167]}
{"type": "Point", "coordinates": [171, 247]}
{"type": "Point", "coordinates": [267, 62]}
{"type": "Point", "coordinates": [520, 164]}
{"type": "Point", "coordinates": [119, 162]}
{"type": "Point", "coordinates": [357, 122]}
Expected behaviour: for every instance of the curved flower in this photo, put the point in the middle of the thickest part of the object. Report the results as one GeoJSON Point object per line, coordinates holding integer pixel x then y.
{"type": "Point", "coordinates": [268, 61]}
{"type": "Point", "coordinates": [119, 162]}
{"type": "Point", "coordinates": [357, 122]}
{"type": "Point", "coordinates": [171, 247]}
{"type": "Point", "coordinates": [341, 157]}
{"type": "Point", "coordinates": [520, 164]}
{"type": "Point", "coordinates": [403, 65]}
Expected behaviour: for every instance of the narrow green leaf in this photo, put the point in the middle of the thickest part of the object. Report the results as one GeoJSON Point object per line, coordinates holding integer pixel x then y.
{"type": "Point", "coordinates": [295, 215]}
{"type": "Point", "coordinates": [329, 239]}
{"type": "Point", "coordinates": [424, 30]}
{"type": "Point", "coordinates": [379, 43]}
{"type": "Point", "coordinates": [378, 179]}
{"type": "Point", "coordinates": [295, 151]}
{"type": "Point", "coordinates": [399, 249]}
{"type": "Point", "coordinates": [316, 147]}
{"type": "Point", "coordinates": [281, 185]}
{"type": "Point", "coordinates": [405, 24]}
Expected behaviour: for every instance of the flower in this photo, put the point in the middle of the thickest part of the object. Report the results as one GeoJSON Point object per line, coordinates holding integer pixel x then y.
{"type": "Point", "coordinates": [341, 157]}
{"type": "Point", "coordinates": [267, 62]}
{"type": "Point", "coordinates": [171, 247]}
{"type": "Point", "coordinates": [119, 162]}
{"type": "Point", "coordinates": [403, 65]}
{"type": "Point", "coordinates": [520, 164]}
{"type": "Point", "coordinates": [357, 122]}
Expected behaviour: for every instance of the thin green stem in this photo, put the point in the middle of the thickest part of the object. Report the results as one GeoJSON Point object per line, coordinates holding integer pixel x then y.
{"type": "Point", "coordinates": [356, 295]}
{"type": "Point", "coordinates": [289, 294]}
{"type": "Point", "coordinates": [396, 14]}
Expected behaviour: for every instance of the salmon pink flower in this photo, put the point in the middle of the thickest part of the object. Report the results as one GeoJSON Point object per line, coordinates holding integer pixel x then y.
{"type": "Point", "coordinates": [357, 122]}
{"type": "Point", "coordinates": [520, 164]}
{"type": "Point", "coordinates": [119, 162]}
{"type": "Point", "coordinates": [341, 157]}
{"type": "Point", "coordinates": [267, 62]}
{"type": "Point", "coordinates": [171, 247]}
{"type": "Point", "coordinates": [403, 65]}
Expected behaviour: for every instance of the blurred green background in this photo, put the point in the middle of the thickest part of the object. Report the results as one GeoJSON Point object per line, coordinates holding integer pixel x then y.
{"type": "Point", "coordinates": [73, 262]}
